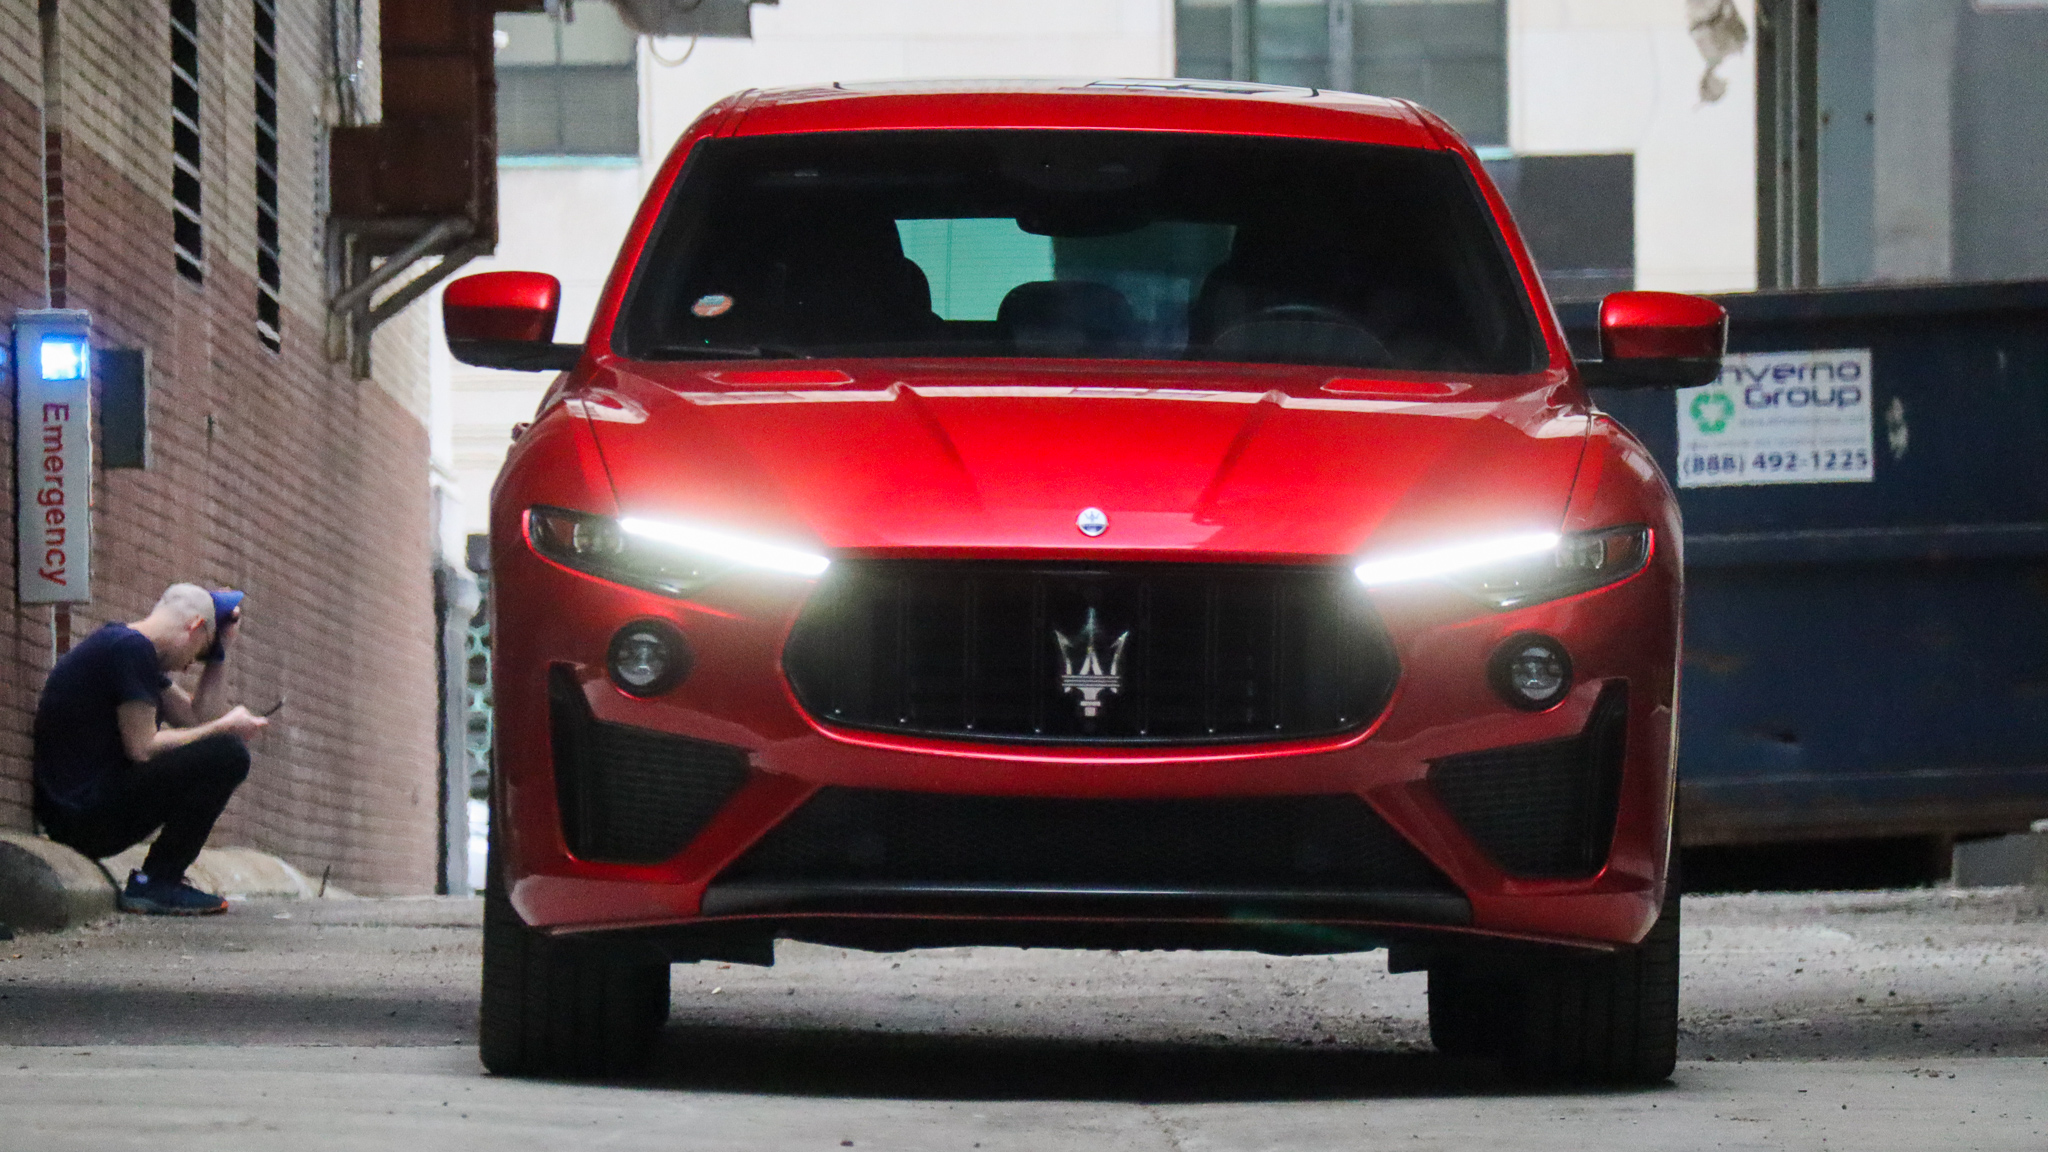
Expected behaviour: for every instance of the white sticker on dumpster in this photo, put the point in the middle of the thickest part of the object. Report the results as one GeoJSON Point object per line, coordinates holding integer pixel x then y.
{"type": "Point", "coordinates": [1778, 418]}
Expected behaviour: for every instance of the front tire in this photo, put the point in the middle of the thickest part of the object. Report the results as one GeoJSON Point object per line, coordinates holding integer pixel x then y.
{"type": "Point", "coordinates": [556, 1007]}
{"type": "Point", "coordinates": [1465, 1012]}
{"type": "Point", "coordinates": [1611, 1020]}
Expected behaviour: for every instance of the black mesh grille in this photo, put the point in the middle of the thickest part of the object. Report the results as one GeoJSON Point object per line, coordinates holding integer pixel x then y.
{"type": "Point", "coordinates": [1543, 809]}
{"type": "Point", "coordinates": [1325, 843]}
{"type": "Point", "coordinates": [1183, 653]}
{"type": "Point", "coordinates": [629, 795]}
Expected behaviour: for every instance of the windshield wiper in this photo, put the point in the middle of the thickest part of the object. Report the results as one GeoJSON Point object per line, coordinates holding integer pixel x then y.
{"type": "Point", "coordinates": [726, 352]}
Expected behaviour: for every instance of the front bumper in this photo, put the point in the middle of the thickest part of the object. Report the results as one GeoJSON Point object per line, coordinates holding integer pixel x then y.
{"type": "Point", "coordinates": [550, 634]}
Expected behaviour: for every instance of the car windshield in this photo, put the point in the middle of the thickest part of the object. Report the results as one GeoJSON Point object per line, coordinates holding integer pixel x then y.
{"type": "Point", "coordinates": [1079, 244]}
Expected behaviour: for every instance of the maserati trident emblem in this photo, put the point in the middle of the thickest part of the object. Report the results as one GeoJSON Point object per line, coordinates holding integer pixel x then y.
{"type": "Point", "coordinates": [1092, 521]}
{"type": "Point", "coordinates": [1082, 655]}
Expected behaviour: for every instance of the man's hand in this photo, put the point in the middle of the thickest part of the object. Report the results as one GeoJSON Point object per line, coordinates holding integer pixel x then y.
{"type": "Point", "coordinates": [219, 649]}
{"type": "Point", "coordinates": [239, 721]}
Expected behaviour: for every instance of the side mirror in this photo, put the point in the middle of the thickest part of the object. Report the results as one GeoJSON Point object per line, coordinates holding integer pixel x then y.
{"type": "Point", "coordinates": [506, 320]}
{"type": "Point", "coordinates": [1657, 340]}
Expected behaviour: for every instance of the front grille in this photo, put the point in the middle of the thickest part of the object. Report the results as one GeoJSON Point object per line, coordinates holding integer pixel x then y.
{"type": "Point", "coordinates": [1116, 654]}
{"type": "Point", "coordinates": [629, 795]}
{"type": "Point", "coordinates": [1543, 809]}
{"type": "Point", "coordinates": [1315, 843]}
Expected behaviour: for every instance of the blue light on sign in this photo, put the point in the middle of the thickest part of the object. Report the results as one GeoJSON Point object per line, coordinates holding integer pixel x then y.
{"type": "Point", "coordinates": [63, 357]}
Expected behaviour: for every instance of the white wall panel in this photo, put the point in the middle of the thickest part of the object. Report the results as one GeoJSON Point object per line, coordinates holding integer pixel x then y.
{"type": "Point", "coordinates": [1624, 76]}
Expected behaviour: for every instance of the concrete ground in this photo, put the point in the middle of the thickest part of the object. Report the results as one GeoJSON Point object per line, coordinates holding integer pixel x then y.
{"type": "Point", "coordinates": [1865, 1021]}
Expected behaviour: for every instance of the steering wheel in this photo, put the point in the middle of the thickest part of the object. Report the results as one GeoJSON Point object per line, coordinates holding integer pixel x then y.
{"type": "Point", "coordinates": [1303, 334]}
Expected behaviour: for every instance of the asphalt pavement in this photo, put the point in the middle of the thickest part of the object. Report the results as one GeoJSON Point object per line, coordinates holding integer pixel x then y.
{"type": "Point", "coordinates": [1867, 1021]}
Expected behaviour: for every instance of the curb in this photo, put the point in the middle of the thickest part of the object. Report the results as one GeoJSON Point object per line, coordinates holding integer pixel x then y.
{"type": "Point", "coordinates": [229, 872]}
{"type": "Point", "coordinates": [2021, 858]}
{"type": "Point", "coordinates": [45, 887]}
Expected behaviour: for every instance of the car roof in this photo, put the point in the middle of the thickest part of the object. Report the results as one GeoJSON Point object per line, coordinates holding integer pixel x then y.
{"type": "Point", "coordinates": [1175, 105]}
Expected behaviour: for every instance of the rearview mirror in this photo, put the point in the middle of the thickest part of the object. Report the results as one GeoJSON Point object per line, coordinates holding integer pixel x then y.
{"type": "Point", "coordinates": [1657, 340]}
{"type": "Point", "coordinates": [506, 320]}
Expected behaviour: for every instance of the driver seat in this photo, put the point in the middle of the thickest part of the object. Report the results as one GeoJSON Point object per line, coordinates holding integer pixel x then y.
{"type": "Point", "coordinates": [1066, 318]}
{"type": "Point", "coordinates": [1283, 304]}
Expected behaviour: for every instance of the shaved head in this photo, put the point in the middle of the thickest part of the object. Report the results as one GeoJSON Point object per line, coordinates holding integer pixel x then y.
{"type": "Point", "coordinates": [187, 602]}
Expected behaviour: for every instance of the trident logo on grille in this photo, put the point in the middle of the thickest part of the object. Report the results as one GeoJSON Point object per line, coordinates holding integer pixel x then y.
{"type": "Point", "coordinates": [1084, 673]}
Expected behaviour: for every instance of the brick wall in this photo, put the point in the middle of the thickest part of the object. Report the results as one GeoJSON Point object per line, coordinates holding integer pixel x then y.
{"type": "Point", "coordinates": [24, 638]}
{"type": "Point", "coordinates": [271, 471]}
{"type": "Point", "coordinates": [21, 164]}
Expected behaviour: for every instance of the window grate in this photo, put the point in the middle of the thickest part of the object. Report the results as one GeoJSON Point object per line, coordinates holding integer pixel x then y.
{"type": "Point", "coordinates": [269, 267]}
{"type": "Point", "coordinates": [188, 233]}
{"type": "Point", "coordinates": [1449, 55]}
{"type": "Point", "coordinates": [567, 89]}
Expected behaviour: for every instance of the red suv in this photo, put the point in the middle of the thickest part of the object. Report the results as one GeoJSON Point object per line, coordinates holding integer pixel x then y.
{"type": "Point", "coordinates": [1138, 514]}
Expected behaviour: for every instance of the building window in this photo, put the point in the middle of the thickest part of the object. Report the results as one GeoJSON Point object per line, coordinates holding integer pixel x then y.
{"type": "Point", "coordinates": [1577, 215]}
{"type": "Point", "coordinates": [269, 273]}
{"type": "Point", "coordinates": [567, 87]}
{"type": "Point", "coordinates": [1450, 56]}
{"type": "Point", "coordinates": [188, 238]}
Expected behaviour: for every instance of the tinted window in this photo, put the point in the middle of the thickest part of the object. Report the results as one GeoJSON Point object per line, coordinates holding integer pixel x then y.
{"type": "Point", "coordinates": [1079, 244]}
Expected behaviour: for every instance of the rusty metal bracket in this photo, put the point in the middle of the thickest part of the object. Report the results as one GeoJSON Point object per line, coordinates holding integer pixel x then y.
{"type": "Point", "coordinates": [355, 276]}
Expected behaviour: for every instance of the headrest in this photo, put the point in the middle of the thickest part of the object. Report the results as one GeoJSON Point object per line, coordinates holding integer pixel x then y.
{"type": "Point", "coordinates": [1060, 316]}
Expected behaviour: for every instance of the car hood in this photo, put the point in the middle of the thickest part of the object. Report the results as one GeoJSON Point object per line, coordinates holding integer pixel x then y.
{"type": "Point", "coordinates": [885, 458]}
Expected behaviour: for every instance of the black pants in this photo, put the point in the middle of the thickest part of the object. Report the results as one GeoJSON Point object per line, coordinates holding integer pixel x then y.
{"type": "Point", "coordinates": [181, 791]}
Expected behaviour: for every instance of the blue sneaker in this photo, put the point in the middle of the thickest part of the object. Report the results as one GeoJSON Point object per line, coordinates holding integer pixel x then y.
{"type": "Point", "coordinates": [155, 899]}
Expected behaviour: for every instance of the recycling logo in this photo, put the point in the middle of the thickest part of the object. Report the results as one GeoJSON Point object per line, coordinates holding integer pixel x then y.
{"type": "Point", "coordinates": [1712, 410]}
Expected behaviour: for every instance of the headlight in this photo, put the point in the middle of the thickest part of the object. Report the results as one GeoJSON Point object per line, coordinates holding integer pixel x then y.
{"type": "Point", "coordinates": [673, 559]}
{"type": "Point", "coordinates": [1510, 571]}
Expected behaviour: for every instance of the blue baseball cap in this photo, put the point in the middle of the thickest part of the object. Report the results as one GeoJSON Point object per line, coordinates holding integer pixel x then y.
{"type": "Point", "coordinates": [225, 602]}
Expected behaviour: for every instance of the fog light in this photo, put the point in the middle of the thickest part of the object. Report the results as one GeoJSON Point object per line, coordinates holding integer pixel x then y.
{"type": "Point", "coordinates": [1531, 671]}
{"type": "Point", "coordinates": [647, 658]}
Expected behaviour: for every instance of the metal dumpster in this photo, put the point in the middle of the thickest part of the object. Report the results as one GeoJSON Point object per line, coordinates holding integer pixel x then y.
{"type": "Point", "coordinates": [1866, 542]}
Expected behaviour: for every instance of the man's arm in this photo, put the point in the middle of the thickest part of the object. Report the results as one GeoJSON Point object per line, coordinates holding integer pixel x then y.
{"type": "Point", "coordinates": [176, 709]}
{"type": "Point", "coordinates": [143, 740]}
{"type": "Point", "coordinates": [209, 702]}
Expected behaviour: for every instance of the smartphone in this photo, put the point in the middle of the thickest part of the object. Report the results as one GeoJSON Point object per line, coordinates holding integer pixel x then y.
{"type": "Point", "coordinates": [274, 707]}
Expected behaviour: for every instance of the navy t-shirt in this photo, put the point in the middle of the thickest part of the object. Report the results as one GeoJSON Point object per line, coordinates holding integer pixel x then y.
{"type": "Point", "coordinates": [78, 732]}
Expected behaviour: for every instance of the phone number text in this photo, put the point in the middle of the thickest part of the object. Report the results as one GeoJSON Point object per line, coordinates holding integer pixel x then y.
{"type": "Point", "coordinates": [1817, 462]}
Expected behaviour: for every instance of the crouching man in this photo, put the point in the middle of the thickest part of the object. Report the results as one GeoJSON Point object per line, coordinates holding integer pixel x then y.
{"type": "Point", "coordinates": [121, 751]}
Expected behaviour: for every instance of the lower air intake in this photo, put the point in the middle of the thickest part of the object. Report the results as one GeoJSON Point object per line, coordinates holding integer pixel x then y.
{"type": "Point", "coordinates": [1304, 843]}
{"type": "Point", "coordinates": [1547, 809]}
{"type": "Point", "coordinates": [628, 795]}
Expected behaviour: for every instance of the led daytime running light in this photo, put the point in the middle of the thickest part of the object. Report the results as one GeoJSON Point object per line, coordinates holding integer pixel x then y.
{"type": "Point", "coordinates": [1456, 558]}
{"type": "Point", "coordinates": [727, 547]}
